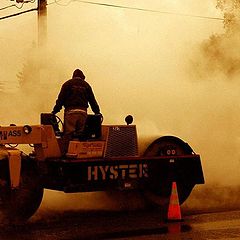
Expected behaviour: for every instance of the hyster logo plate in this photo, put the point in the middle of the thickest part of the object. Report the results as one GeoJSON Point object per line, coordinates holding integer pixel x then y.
{"type": "Point", "coordinates": [113, 172]}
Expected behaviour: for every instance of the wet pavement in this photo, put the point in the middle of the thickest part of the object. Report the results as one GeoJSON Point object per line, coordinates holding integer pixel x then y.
{"type": "Point", "coordinates": [141, 224]}
{"type": "Point", "coordinates": [109, 216]}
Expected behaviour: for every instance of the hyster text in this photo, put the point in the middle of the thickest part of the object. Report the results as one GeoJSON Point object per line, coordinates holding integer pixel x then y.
{"type": "Point", "coordinates": [122, 171]}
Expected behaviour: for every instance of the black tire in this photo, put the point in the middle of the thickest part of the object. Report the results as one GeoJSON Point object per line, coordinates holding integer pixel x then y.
{"type": "Point", "coordinates": [158, 186]}
{"type": "Point", "coordinates": [18, 205]}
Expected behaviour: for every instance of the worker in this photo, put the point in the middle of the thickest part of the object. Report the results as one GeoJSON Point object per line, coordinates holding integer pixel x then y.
{"type": "Point", "coordinates": [75, 96]}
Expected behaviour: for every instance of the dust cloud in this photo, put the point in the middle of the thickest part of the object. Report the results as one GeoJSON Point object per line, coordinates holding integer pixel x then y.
{"type": "Point", "coordinates": [215, 65]}
{"type": "Point", "coordinates": [176, 75]}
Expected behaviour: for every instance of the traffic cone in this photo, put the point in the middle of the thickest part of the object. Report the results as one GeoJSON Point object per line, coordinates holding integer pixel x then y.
{"type": "Point", "coordinates": [174, 227]}
{"type": "Point", "coordinates": [174, 211]}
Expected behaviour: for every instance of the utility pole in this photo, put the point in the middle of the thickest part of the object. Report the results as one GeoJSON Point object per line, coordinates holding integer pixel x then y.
{"type": "Point", "coordinates": [42, 22]}
{"type": "Point", "coordinates": [42, 42]}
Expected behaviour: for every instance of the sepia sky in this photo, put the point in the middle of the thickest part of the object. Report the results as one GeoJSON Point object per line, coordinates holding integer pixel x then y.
{"type": "Point", "coordinates": [101, 30]}
{"type": "Point", "coordinates": [144, 63]}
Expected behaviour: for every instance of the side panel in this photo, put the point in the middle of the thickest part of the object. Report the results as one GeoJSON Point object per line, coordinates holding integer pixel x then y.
{"type": "Point", "coordinates": [49, 146]}
{"type": "Point", "coordinates": [98, 175]}
{"type": "Point", "coordinates": [16, 134]}
{"type": "Point", "coordinates": [43, 138]}
{"type": "Point", "coordinates": [182, 168]}
{"type": "Point", "coordinates": [95, 175]}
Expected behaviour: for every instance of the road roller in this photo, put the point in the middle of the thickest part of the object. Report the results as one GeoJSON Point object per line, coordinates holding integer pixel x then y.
{"type": "Point", "coordinates": [102, 158]}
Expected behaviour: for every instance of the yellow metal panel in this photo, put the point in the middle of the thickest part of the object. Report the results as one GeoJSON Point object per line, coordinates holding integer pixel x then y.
{"type": "Point", "coordinates": [42, 136]}
{"type": "Point", "coordinates": [3, 153]}
{"type": "Point", "coordinates": [14, 167]}
{"type": "Point", "coordinates": [16, 134]}
{"type": "Point", "coordinates": [48, 147]}
{"type": "Point", "coordinates": [86, 149]}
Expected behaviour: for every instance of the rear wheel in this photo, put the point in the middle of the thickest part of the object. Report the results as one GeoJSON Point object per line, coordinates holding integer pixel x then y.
{"type": "Point", "coordinates": [159, 185]}
{"type": "Point", "coordinates": [17, 205]}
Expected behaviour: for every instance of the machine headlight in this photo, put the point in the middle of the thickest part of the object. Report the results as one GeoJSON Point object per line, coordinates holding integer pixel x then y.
{"type": "Point", "coordinates": [129, 119]}
{"type": "Point", "coordinates": [27, 129]}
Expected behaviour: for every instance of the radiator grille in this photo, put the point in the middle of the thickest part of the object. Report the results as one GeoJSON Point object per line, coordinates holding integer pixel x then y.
{"type": "Point", "coordinates": [121, 141]}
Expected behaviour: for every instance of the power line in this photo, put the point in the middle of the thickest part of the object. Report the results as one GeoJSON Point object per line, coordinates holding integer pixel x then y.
{"type": "Point", "coordinates": [19, 13]}
{"type": "Point", "coordinates": [66, 4]}
{"type": "Point", "coordinates": [106, 5]}
{"type": "Point", "coordinates": [19, 7]}
{"type": "Point", "coordinates": [7, 7]}
{"type": "Point", "coordinates": [13, 5]}
{"type": "Point", "coordinates": [138, 9]}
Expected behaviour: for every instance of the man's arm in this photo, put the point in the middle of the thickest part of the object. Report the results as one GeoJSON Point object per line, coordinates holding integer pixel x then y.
{"type": "Point", "coordinates": [60, 100]}
{"type": "Point", "coordinates": [92, 101]}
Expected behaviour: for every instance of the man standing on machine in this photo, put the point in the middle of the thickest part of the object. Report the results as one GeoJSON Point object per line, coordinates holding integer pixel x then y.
{"type": "Point", "coordinates": [75, 95]}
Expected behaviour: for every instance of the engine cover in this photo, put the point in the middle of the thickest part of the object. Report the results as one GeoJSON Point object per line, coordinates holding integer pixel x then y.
{"type": "Point", "coordinates": [121, 141]}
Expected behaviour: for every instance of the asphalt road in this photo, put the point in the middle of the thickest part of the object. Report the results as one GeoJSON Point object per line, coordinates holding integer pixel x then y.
{"type": "Point", "coordinates": [93, 216]}
{"type": "Point", "coordinates": [125, 225]}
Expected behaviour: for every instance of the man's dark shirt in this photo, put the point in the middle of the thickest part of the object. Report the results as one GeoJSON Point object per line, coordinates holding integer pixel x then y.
{"type": "Point", "coordinates": [76, 93]}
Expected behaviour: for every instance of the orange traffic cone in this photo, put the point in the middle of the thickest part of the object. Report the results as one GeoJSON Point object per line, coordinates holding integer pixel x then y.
{"type": "Point", "coordinates": [174, 227]}
{"type": "Point", "coordinates": [174, 211]}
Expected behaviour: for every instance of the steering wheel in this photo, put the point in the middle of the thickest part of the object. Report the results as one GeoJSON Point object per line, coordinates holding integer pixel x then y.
{"type": "Point", "coordinates": [101, 117]}
{"type": "Point", "coordinates": [59, 123]}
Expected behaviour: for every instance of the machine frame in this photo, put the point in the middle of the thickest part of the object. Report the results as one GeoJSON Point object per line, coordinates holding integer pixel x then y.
{"type": "Point", "coordinates": [106, 160]}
